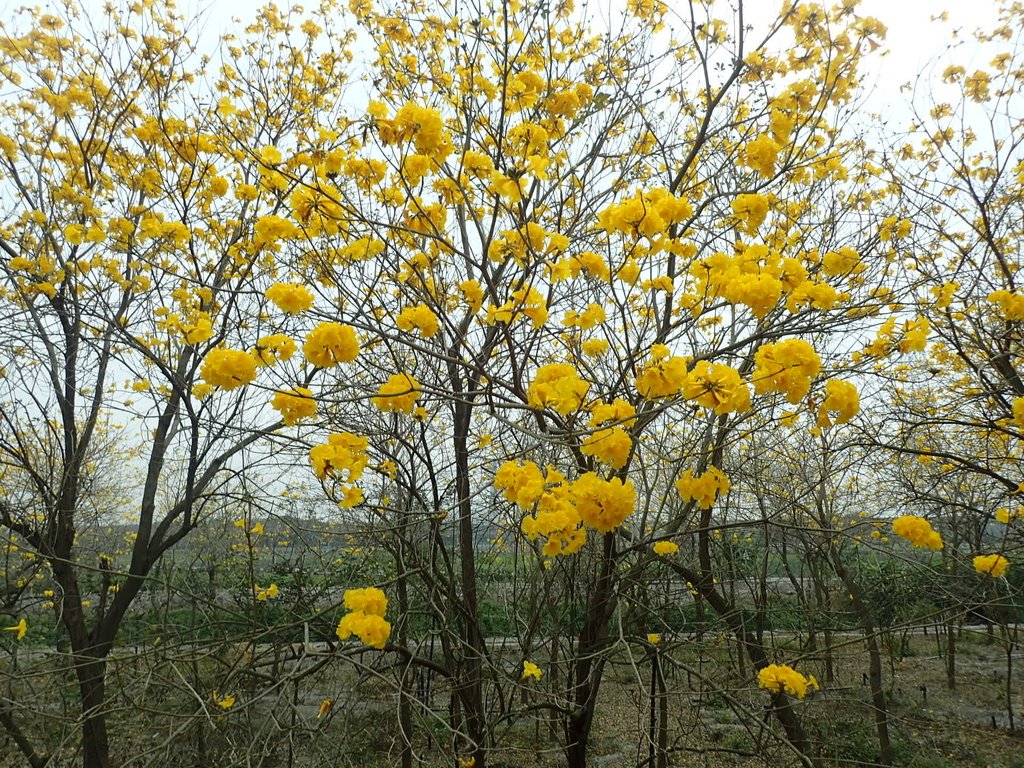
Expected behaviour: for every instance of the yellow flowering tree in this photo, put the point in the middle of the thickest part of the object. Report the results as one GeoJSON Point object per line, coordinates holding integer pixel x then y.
{"type": "Point", "coordinates": [146, 321]}
{"type": "Point", "coordinates": [551, 261]}
{"type": "Point", "coordinates": [957, 415]}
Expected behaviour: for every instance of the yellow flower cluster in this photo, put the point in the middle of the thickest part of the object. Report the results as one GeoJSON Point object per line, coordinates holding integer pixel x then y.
{"type": "Point", "coordinates": [664, 548]}
{"type": "Point", "coordinates": [587, 263]}
{"type": "Point", "coordinates": [266, 593]}
{"type": "Point", "coordinates": [912, 338]}
{"type": "Point", "coordinates": [342, 457]}
{"type": "Point", "coordinates": [779, 678]}
{"type": "Point", "coordinates": [718, 387]}
{"type": "Point", "coordinates": [845, 261]}
{"type": "Point", "coordinates": [369, 600]}
{"type": "Point", "coordinates": [272, 349]}
{"type": "Point", "coordinates": [593, 315]}
{"type": "Point", "coordinates": [228, 368]}
{"type": "Point", "coordinates": [294, 404]}
{"type": "Point", "coordinates": [1006, 516]}
{"type": "Point", "coordinates": [193, 325]}
{"type": "Point", "coordinates": [917, 531]}
{"type": "Point", "coordinates": [811, 294]}
{"type": "Point", "coordinates": [841, 403]}
{"type": "Point", "coordinates": [399, 393]}
{"type": "Point", "coordinates": [757, 276]}
{"type": "Point", "coordinates": [703, 489]}
{"type": "Point", "coordinates": [421, 125]}
{"type": "Point", "coordinates": [618, 411]}
{"type": "Point", "coordinates": [609, 446]}
{"type": "Point", "coordinates": [522, 484]}
{"type": "Point", "coordinates": [290, 298]}
{"type": "Point", "coordinates": [603, 504]}
{"type": "Point", "coordinates": [663, 376]}
{"type": "Point", "coordinates": [473, 294]}
{"type": "Point", "coordinates": [20, 629]}
{"type": "Point", "coordinates": [991, 565]}
{"type": "Point", "coordinates": [645, 214]}
{"type": "Point", "coordinates": [915, 334]}
{"type": "Point", "coordinates": [761, 154]}
{"type": "Point", "coordinates": [1011, 305]}
{"type": "Point", "coordinates": [270, 229]}
{"type": "Point", "coordinates": [561, 508]}
{"type": "Point", "coordinates": [528, 302]}
{"type": "Point", "coordinates": [1018, 412]}
{"type": "Point", "coordinates": [893, 227]}
{"type": "Point", "coordinates": [523, 245]}
{"type": "Point", "coordinates": [557, 520]}
{"type": "Point", "coordinates": [329, 344]}
{"type": "Point", "coordinates": [531, 672]}
{"type": "Point", "coordinates": [786, 366]}
{"type": "Point", "coordinates": [419, 318]}
{"type": "Point", "coordinates": [557, 386]}
{"type": "Point", "coordinates": [366, 617]}
{"type": "Point", "coordinates": [749, 212]}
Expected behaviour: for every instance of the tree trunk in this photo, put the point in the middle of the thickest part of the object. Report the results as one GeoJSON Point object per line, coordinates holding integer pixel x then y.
{"type": "Point", "coordinates": [92, 686]}
{"type": "Point", "coordinates": [950, 652]}
{"type": "Point", "coordinates": [469, 678]}
{"type": "Point", "coordinates": [589, 665]}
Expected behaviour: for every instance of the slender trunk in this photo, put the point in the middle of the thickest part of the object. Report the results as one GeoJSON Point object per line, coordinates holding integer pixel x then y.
{"type": "Point", "coordinates": [470, 674]}
{"type": "Point", "coordinates": [406, 679]}
{"type": "Point", "coordinates": [878, 696]}
{"type": "Point", "coordinates": [830, 667]}
{"type": "Point", "coordinates": [662, 689]}
{"type": "Point", "coordinates": [1010, 637]}
{"type": "Point", "coordinates": [92, 685]}
{"type": "Point", "coordinates": [88, 656]}
{"type": "Point", "coordinates": [589, 664]}
{"type": "Point", "coordinates": [950, 651]}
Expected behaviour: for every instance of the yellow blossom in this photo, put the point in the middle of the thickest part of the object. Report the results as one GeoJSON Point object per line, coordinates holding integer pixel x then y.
{"type": "Point", "coordinates": [228, 368]}
{"type": "Point", "coordinates": [703, 489]}
{"type": "Point", "coordinates": [370, 600]}
{"type": "Point", "coordinates": [531, 672]}
{"type": "Point", "coordinates": [664, 548]}
{"type": "Point", "coordinates": [20, 629]}
{"type": "Point", "coordinates": [780, 678]}
{"type": "Point", "coordinates": [399, 393]}
{"type": "Point", "coordinates": [290, 298]}
{"type": "Point", "coordinates": [342, 457]}
{"type": "Point", "coordinates": [840, 404]}
{"type": "Point", "coordinates": [603, 504]}
{"type": "Point", "coordinates": [991, 565]}
{"type": "Point", "coordinates": [917, 531]}
{"type": "Point", "coordinates": [559, 387]}
{"type": "Point", "coordinates": [609, 446]}
{"type": "Point", "coordinates": [371, 629]}
{"type": "Point", "coordinates": [294, 404]}
{"type": "Point", "coordinates": [418, 318]}
{"type": "Point", "coordinates": [331, 343]}
{"type": "Point", "coordinates": [785, 366]}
